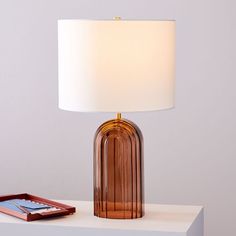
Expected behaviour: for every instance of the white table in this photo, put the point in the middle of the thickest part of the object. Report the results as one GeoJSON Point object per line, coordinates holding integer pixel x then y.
{"type": "Point", "coordinates": [159, 220]}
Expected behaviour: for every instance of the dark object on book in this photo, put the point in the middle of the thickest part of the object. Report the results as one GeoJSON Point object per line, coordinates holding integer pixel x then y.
{"type": "Point", "coordinates": [28, 207]}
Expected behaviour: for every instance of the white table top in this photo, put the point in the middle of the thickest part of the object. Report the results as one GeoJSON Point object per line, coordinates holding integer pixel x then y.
{"type": "Point", "coordinates": [161, 218]}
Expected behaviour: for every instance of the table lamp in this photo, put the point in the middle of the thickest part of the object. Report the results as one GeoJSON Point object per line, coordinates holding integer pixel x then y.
{"type": "Point", "coordinates": [117, 66]}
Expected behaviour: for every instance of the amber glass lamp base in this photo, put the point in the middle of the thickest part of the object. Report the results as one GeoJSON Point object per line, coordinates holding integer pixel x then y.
{"type": "Point", "coordinates": [118, 170]}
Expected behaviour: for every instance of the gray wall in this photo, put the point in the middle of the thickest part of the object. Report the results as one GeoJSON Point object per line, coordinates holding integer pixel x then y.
{"type": "Point", "coordinates": [189, 151]}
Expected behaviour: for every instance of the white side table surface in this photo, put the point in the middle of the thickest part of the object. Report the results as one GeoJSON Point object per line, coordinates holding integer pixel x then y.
{"type": "Point", "coordinates": [159, 220]}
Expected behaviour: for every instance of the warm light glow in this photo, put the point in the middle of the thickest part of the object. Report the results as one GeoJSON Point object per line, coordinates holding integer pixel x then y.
{"type": "Point", "coordinates": [116, 65]}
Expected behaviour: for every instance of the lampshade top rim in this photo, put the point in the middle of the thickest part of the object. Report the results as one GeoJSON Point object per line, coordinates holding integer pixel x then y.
{"type": "Point", "coordinates": [122, 20]}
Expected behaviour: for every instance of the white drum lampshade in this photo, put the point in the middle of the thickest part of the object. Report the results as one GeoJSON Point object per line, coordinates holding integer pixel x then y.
{"type": "Point", "coordinates": [116, 65]}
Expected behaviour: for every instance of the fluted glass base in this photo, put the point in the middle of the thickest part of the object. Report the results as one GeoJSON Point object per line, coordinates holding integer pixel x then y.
{"type": "Point", "coordinates": [118, 170]}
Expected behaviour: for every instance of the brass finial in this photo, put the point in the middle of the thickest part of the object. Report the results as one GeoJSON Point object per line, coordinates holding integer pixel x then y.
{"type": "Point", "coordinates": [117, 18]}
